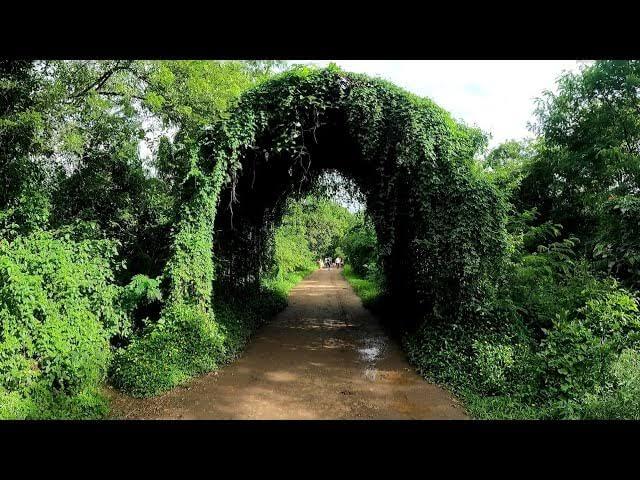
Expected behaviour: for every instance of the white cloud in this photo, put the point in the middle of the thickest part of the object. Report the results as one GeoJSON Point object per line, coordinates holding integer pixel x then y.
{"type": "Point", "coordinates": [495, 95]}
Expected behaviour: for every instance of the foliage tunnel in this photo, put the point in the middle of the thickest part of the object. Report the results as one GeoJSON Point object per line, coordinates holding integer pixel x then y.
{"type": "Point", "coordinates": [440, 224]}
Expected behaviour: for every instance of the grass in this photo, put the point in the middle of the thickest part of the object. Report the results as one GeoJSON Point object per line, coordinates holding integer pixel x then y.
{"type": "Point", "coordinates": [367, 289]}
{"type": "Point", "coordinates": [370, 292]}
{"type": "Point", "coordinates": [281, 284]}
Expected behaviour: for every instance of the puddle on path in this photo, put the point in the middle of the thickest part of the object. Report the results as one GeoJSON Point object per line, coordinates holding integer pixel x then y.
{"type": "Point", "coordinates": [370, 353]}
{"type": "Point", "coordinates": [323, 357]}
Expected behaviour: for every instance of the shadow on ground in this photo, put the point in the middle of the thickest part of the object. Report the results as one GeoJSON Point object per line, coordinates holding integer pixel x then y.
{"type": "Point", "coordinates": [324, 357]}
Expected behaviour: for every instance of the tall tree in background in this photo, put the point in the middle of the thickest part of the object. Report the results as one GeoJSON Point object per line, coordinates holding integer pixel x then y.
{"type": "Point", "coordinates": [587, 173]}
{"type": "Point", "coordinates": [100, 114]}
{"type": "Point", "coordinates": [23, 201]}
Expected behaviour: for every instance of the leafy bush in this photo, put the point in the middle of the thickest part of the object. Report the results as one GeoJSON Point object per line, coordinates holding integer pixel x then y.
{"type": "Point", "coordinates": [196, 336]}
{"type": "Point", "coordinates": [555, 341]}
{"type": "Point", "coordinates": [567, 370]}
{"type": "Point", "coordinates": [292, 251]}
{"type": "Point", "coordinates": [240, 313]}
{"type": "Point", "coordinates": [622, 399]}
{"type": "Point", "coordinates": [184, 343]}
{"type": "Point", "coordinates": [462, 355]}
{"type": "Point", "coordinates": [369, 289]}
{"type": "Point", "coordinates": [360, 245]}
{"type": "Point", "coordinates": [281, 284]}
{"type": "Point", "coordinates": [188, 343]}
{"type": "Point", "coordinates": [617, 247]}
{"type": "Point", "coordinates": [58, 309]}
{"type": "Point", "coordinates": [580, 348]}
{"type": "Point", "coordinates": [141, 300]}
{"type": "Point", "coordinates": [493, 363]}
{"type": "Point", "coordinates": [325, 223]}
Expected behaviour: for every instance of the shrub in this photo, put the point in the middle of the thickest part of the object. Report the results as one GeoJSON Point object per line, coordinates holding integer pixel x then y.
{"type": "Point", "coordinates": [369, 289]}
{"type": "Point", "coordinates": [291, 250]}
{"type": "Point", "coordinates": [580, 349]}
{"type": "Point", "coordinates": [493, 363]}
{"type": "Point", "coordinates": [489, 356]}
{"type": "Point", "coordinates": [617, 247]}
{"type": "Point", "coordinates": [361, 247]}
{"type": "Point", "coordinates": [187, 342]}
{"type": "Point", "coordinates": [240, 313]}
{"type": "Point", "coordinates": [579, 367]}
{"type": "Point", "coordinates": [58, 308]}
{"type": "Point", "coordinates": [141, 299]}
{"type": "Point", "coordinates": [554, 341]}
{"type": "Point", "coordinates": [622, 400]}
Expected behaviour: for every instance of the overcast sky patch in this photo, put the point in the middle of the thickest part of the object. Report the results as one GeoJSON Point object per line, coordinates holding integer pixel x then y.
{"type": "Point", "coordinates": [497, 96]}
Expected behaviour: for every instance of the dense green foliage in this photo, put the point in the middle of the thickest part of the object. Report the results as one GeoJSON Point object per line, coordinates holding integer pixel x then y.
{"type": "Point", "coordinates": [560, 338]}
{"type": "Point", "coordinates": [367, 288]}
{"type": "Point", "coordinates": [546, 348]}
{"type": "Point", "coordinates": [360, 246]}
{"type": "Point", "coordinates": [519, 271]}
{"type": "Point", "coordinates": [312, 228]}
{"type": "Point", "coordinates": [199, 329]}
{"type": "Point", "coordinates": [23, 206]}
{"type": "Point", "coordinates": [171, 353]}
{"type": "Point", "coordinates": [58, 310]}
{"type": "Point", "coordinates": [86, 220]}
{"type": "Point", "coordinates": [404, 153]}
{"type": "Point", "coordinates": [587, 173]}
{"type": "Point", "coordinates": [261, 155]}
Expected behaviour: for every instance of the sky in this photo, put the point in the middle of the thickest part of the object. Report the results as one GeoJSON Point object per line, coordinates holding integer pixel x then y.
{"type": "Point", "coordinates": [497, 96]}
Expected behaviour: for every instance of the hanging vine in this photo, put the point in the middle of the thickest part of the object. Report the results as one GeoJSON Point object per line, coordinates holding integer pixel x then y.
{"type": "Point", "coordinates": [440, 226]}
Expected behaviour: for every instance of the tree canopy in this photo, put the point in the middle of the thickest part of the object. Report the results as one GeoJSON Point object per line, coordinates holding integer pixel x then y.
{"type": "Point", "coordinates": [154, 213]}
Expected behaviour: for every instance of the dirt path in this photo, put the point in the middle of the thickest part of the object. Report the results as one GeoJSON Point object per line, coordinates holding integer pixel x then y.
{"type": "Point", "coordinates": [324, 357]}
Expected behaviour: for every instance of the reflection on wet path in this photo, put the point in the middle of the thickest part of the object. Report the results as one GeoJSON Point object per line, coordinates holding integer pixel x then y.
{"type": "Point", "coordinates": [323, 357]}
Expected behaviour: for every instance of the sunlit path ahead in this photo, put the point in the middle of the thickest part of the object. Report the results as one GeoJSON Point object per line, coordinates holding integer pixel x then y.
{"type": "Point", "coordinates": [324, 357]}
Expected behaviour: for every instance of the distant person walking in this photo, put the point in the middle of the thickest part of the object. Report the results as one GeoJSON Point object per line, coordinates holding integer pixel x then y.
{"type": "Point", "coordinates": [327, 262]}
{"type": "Point", "coordinates": [338, 262]}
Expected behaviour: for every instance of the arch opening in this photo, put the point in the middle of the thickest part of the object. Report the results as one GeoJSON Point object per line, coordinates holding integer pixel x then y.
{"type": "Point", "coordinates": [437, 223]}
{"type": "Point", "coordinates": [440, 226]}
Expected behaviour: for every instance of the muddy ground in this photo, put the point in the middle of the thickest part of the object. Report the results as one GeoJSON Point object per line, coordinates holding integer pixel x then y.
{"type": "Point", "coordinates": [324, 357]}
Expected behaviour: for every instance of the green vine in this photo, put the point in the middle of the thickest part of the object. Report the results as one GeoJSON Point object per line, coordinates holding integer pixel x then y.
{"type": "Point", "coordinates": [440, 226]}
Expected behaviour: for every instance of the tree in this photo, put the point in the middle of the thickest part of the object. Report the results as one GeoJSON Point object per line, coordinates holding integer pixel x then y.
{"type": "Point", "coordinates": [511, 152]}
{"type": "Point", "coordinates": [361, 246]}
{"type": "Point", "coordinates": [506, 162]}
{"type": "Point", "coordinates": [311, 228]}
{"type": "Point", "coordinates": [326, 223]}
{"type": "Point", "coordinates": [101, 112]}
{"type": "Point", "coordinates": [591, 149]}
{"type": "Point", "coordinates": [587, 170]}
{"type": "Point", "coordinates": [23, 198]}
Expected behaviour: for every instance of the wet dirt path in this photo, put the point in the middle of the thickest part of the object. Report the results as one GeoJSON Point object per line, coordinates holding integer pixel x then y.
{"type": "Point", "coordinates": [324, 357]}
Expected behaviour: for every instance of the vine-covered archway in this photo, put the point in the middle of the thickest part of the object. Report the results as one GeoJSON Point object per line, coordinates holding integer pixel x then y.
{"type": "Point", "coordinates": [440, 226]}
